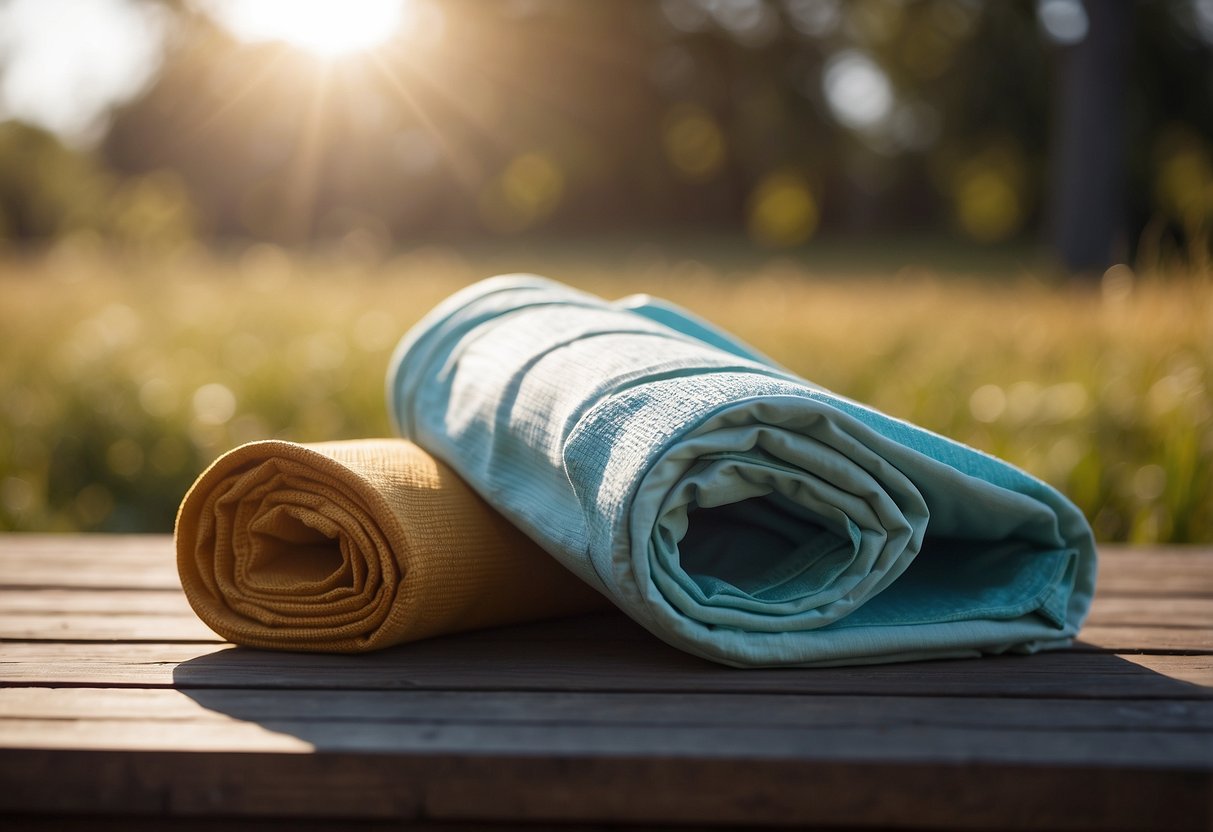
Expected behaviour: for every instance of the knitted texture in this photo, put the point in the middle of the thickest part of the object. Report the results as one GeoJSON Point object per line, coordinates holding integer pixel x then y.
{"type": "Point", "coordinates": [353, 546]}
{"type": "Point", "coordinates": [737, 511]}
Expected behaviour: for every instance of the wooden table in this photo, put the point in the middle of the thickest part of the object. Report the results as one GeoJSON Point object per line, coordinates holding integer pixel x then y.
{"type": "Point", "coordinates": [119, 709]}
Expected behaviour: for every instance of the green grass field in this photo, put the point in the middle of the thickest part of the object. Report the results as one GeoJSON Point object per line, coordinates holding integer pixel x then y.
{"type": "Point", "coordinates": [122, 377]}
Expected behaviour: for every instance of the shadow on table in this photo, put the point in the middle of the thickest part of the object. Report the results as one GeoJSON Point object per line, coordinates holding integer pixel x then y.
{"type": "Point", "coordinates": [591, 718]}
{"type": "Point", "coordinates": [606, 652]}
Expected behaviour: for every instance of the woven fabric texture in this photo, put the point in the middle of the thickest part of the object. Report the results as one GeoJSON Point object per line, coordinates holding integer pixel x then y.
{"type": "Point", "coordinates": [354, 546]}
{"type": "Point", "coordinates": [737, 511]}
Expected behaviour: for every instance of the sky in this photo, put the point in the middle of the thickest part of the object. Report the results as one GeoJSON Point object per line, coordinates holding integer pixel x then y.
{"type": "Point", "coordinates": [66, 63]}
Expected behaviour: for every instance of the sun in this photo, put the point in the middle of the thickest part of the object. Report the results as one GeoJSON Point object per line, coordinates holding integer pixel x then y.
{"type": "Point", "coordinates": [326, 28]}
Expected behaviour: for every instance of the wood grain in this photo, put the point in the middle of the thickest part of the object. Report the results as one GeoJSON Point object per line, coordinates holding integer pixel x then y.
{"type": "Point", "coordinates": [116, 701]}
{"type": "Point", "coordinates": [621, 788]}
{"type": "Point", "coordinates": [218, 705]}
{"type": "Point", "coordinates": [1161, 571]}
{"type": "Point", "coordinates": [149, 561]}
{"type": "Point", "coordinates": [842, 742]}
{"type": "Point", "coordinates": [1152, 612]}
{"type": "Point", "coordinates": [474, 662]}
{"type": "Point", "coordinates": [1117, 624]}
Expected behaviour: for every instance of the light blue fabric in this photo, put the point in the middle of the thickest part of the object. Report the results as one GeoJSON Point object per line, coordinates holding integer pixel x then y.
{"type": "Point", "coordinates": [735, 510]}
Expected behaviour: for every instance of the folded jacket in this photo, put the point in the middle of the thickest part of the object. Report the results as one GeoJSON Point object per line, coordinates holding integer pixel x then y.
{"type": "Point", "coordinates": [735, 510]}
{"type": "Point", "coordinates": [353, 546]}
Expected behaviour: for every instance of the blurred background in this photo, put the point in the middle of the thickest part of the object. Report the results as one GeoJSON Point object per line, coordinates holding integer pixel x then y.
{"type": "Point", "coordinates": [991, 219]}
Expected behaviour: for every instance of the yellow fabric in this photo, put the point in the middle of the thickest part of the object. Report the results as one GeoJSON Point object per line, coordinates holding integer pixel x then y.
{"type": "Point", "coordinates": [353, 546]}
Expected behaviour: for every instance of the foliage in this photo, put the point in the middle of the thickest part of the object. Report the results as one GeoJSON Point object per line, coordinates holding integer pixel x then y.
{"type": "Point", "coordinates": [790, 120]}
{"type": "Point", "coordinates": [125, 375]}
{"type": "Point", "coordinates": [49, 191]}
{"type": "Point", "coordinates": [46, 189]}
{"type": "Point", "coordinates": [509, 118]}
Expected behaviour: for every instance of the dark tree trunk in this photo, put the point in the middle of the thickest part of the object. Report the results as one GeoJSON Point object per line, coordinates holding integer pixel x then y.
{"type": "Point", "coordinates": [1088, 175]}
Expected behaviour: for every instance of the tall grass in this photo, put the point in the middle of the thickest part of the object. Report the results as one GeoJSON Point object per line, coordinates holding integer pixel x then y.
{"type": "Point", "coordinates": [122, 377]}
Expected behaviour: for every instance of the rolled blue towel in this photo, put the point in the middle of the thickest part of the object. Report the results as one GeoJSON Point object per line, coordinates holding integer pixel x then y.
{"type": "Point", "coordinates": [735, 510]}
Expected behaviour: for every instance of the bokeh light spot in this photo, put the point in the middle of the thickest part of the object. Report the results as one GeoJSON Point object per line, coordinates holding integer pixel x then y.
{"type": "Point", "coordinates": [987, 403]}
{"type": "Point", "coordinates": [214, 404]}
{"type": "Point", "coordinates": [693, 142]}
{"type": "Point", "coordinates": [782, 210]}
{"type": "Point", "coordinates": [525, 193]}
{"type": "Point", "coordinates": [814, 18]}
{"type": "Point", "coordinates": [752, 23]}
{"type": "Point", "coordinates": [1064, 402]}
{"type": "Point", "coordinates": [857, 90]}
{"type": "Point", "coordinates": [1064, 22]}
{"type": "Point", "coordinates": [1149, 482]}
{"type": "Point", "coordinates": [1023, 402]}
{"type": "Point", "coordinates": [988, 205]}
{"type": "Point", "coordinates": [1116, 285]}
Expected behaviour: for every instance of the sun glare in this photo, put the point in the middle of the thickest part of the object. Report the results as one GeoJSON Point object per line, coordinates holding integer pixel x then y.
{"type": "Point", "coordinates": [327, 28]}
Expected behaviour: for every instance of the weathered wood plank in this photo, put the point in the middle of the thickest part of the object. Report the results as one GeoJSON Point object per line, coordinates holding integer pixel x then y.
{"type": "Point", "coordinates": [1138, 639]}
{"type": "Point", "coordinates": [591, 720]}
{"type": "Point", "coordinates": [1156, 570]}
{"type": "Point", "coordinates": [91, 601]}
{"type": "Point", "coordinates": [56, 822]}
{"type": "Point", "coordinates": [89, 627]}
{"type": "Point", "coordinates": [558, 709]}
{"type": "Point", "coordinates": [619, 788]}
{"type": "Point", "coordinates": [149, 561]}
{"type": "Point", "coordinates": [15, 547]}
{"type": "Point", "coordinates": [142, 615]}
{"type": "Point", "coordinates": [1153, 612]}
{"type": "Point", "coordinates": [189, 630]}
{"type": "Point", "coordinates": [95, 574]}
{"type": "Point", "coordinates": [484, 662]}
{"type": "Point", "coordinates": [908, 744]}
{"type": "Point", "coordinates": [94, 560]}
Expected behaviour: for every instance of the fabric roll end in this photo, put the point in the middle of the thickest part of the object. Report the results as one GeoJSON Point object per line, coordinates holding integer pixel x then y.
{"type": "Point", "coordinates": [354, 546]}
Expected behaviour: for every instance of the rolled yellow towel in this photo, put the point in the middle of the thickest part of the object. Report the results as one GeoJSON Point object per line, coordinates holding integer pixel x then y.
{"type": "Point", "coordinates": [354, 546]}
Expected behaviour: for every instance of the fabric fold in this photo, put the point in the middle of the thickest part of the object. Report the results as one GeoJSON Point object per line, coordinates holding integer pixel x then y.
{"type": "Point", "coordinates": [737, 511]}
{"type": "Point", "coordinates": [354, 546]}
